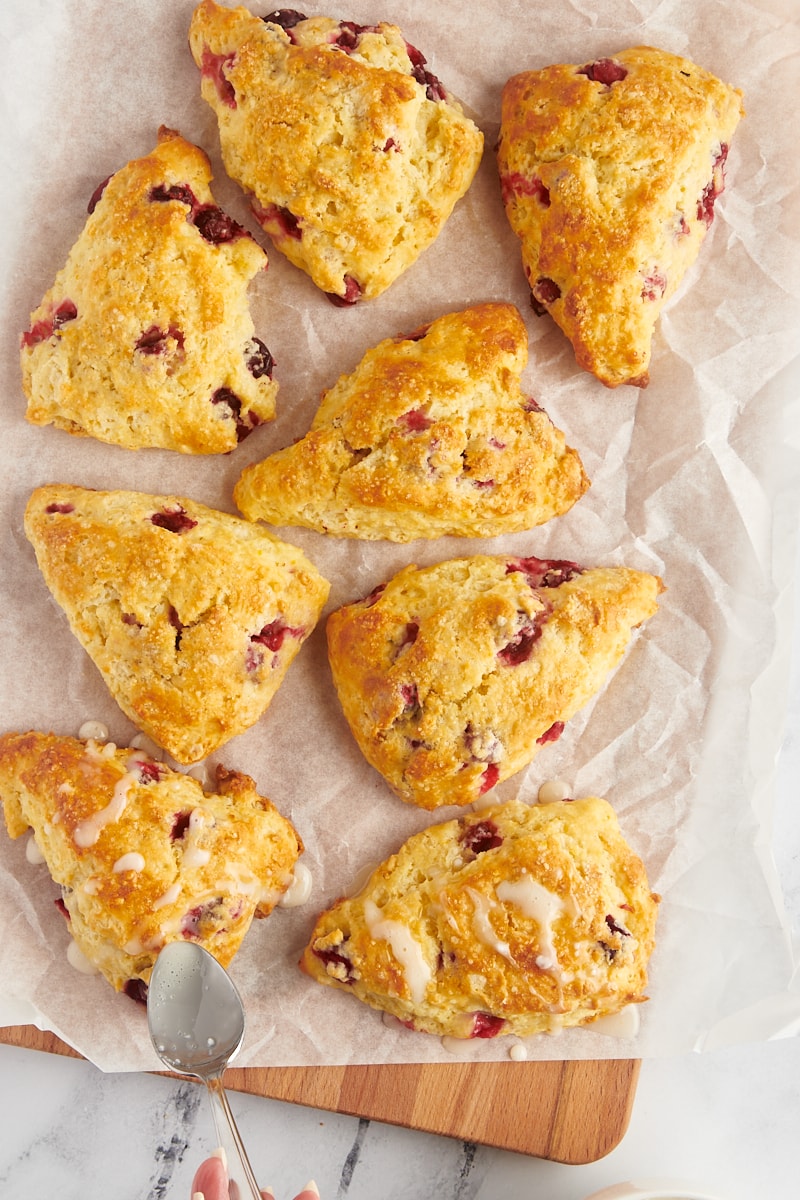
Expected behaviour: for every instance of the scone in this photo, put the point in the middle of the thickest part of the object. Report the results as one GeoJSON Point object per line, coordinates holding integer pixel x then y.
{"type": "Point", "coordinates": [354, 153]}
{"type": "Point", "coordinates": [143, 854]}
{"type": "Point", "coordinates": [145, 337]}
{"type": "Point", "coordinates": [431, 435]}
{"type": "Point", "coordinates": [192, 616]}
{"type": "Point", "coordinates": [454, 676]}
{"type": "Point", "coordinates": [609, 172]}
{"type": "Point", "coordinates": [519, 920]}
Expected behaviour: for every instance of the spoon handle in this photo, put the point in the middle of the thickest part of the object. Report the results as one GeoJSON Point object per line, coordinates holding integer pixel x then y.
{"type": "Point", "coordinates": [242, 1183]}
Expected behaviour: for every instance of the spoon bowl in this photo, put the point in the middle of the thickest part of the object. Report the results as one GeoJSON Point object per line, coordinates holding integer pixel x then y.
{"type": "Point", "coordinates": [196, 1021]}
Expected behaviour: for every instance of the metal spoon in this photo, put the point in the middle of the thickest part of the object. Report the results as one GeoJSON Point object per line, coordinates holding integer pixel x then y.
{"type": "Point", "coordinates": [196, 1021]}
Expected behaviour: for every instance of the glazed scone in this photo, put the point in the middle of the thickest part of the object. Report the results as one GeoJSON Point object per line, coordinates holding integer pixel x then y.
{"type": "Point", "coordinates": [431, 435]}
{"type": "Point", "coordinates": [145, 337]}
{"type": "Point", "coordinates": [452, 677]}
{"type": "Point", "coordinates": [191, 615]}
{"type": "Point", "coordinates": [520, 920]}
{"type": "Point", "coordinates": [355, 155]}
{"type": "Point", "coordinates": [609, 172]}
{"type": "Point", "coordinates": [143, 854]}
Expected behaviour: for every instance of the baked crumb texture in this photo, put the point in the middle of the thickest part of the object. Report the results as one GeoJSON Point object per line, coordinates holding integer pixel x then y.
{"type": "Point", "coordinates": [431, 435]}
{"type": "Point", "coordinates": [145, 337]}
{"type": "Point", "coordinates": [609, 173]}
{"type": "Point", "coordinates": [518, 920]}
{"type": "Point", "coordinates": [353, 152]}
{"type": "Point", "coordinates": [192, 616]}
{"type": "Point", "coordinates": [452, 677]}
{"type": "Point", "coordinates": [143, 855]}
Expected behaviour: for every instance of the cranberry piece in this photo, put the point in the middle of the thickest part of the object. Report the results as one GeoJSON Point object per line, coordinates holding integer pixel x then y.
{"type": "Point", "coordinates": [714, 187]}
{"type": "Point", "coordinates": [352, 292]}
{"type": "Point", "coordinates": [485, 1025]}
{"type": "Point", "coordinates": [433, 87]}
{"type": "Point", "coordinates": [63, 507]}
{"type": "Point", "coordinates": [245, 422]}
{"type": "Point", "coordinates": [213, 68]}
{"type": "Point", "coordinates": [216, 226]}
{"type": "Point", "coordinates": [552, 734]}
{"type": "Point", "coordinates": [273, 635]}
{"type": "Point", "coordinates": [180, 824]}
{"type": "Point", "coordinates": [287, 18]}
{"type": "Point", "coordinates": [654, 286]}
{"type": "Point", "coordinates": [520, 648]}
{"type": "Point", "coordinates": [161, 194]}
{"type": "Point", "coordinates": [545, 572]}
{"type": "Point", "coordinates": [136, 989]}
{"type": "Point", "coordinates": [341, 964]}
{"type": "Point", "coordinates": [154, 340]}
{"type": "Point", "coordinates": [62, 908]}
{"type": "Point", "coordinates": [489, 778]}
{"type": "Point", "coordinates": [369, 600]}
{"type": "Point", "coordinates": [258, 358]}
{"type": "Point", "coordinates": [482, 836]}
{"type": "Point", "coordinates": [605, 71]}
{"type": "Point", "coordinates": [176, 519]}
{"type": "Point", "coordinates": [516, 184]}
{"type": "Point", "coordinates": [96, 195]}
{"type": "Point", "coordinates": [415, 420]}
{"type": "Point", "coordinates": [545, 291]}
{"type": "Point", "coordinates": [277, 220]}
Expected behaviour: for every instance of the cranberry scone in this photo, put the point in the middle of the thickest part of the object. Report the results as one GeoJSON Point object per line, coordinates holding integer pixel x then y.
{"type": "Point", "coordinates": [143, 855]}
{"type": "Point", "coordinates": [452, 677]}
{"type": "Point", "coordinates": [145, 337]}
{"type": "Point", "coordinates": [609, 172]}
{"type": "Point", "coordinates": [520, 920]}
{"type": "Point", "coordinates": [430, 436]}
{"type": "Point", "coordinates": [354, 153]}
{"type": "Point", "coordinates": [192, 616]}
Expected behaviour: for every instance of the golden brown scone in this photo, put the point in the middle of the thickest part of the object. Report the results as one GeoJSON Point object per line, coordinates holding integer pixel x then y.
{"type": "Point", "coordinates": [609, 172]}
{"type": "Point", "coordinates": [191, 615]}
{"type": "Point", "coordinates": [145, 337]}
{"type": "Point", "coordinates": [517, 920]}
{"type": "Point", "coordinates": [452, 677]}
{"type": "Point", "coordinates": [431, 435]}
{"type": "Point", "coordinates": [143, 854]}
{"type": "Point", "coordinates": [354, 153]}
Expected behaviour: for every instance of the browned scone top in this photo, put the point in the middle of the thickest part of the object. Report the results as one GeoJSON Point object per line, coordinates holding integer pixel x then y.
{"type": "Point", "coordinates": [431, 435]}
{"type": "Point", "coordinates": [354, 153]}
{"type": "Point", "coordinates": [609, 171]}
{"type": "Point", "coordinates": [192, 616]}
{"type": "Point", "coordinates": [143, 854]}
{"type": "Point", "coordinates": [145, 337]}
{"type": "Point", "coordinates": [452, 677]}
{"type": "Point", "coordinates": [515, 920]}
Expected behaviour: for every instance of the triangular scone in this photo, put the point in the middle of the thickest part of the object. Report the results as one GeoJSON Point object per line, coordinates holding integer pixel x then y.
{"type": "Point", "coordinates": [518, 920]}
{"type": "Point", "coordinates": [452, 677]}
{"type": "Point", "coordinates": [145, 337]}
{"type": "Point", "coordinates": [609, 172]}
{"type": "Point", "coordinates": [143, 854]}
{"type": "Point", "coordinates": [191, 615]}
{"type": "Point", "coordinates": [430, 436]}
{"type": "Point", "coordinates": [354, 153]}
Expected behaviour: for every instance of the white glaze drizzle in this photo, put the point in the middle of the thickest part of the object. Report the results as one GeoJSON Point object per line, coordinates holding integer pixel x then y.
{"type": "Point", "coordinates": [540, 905]}
{"type": "Point", "coordinates": [405, 949]}
{"type": "Point", "coordinates": [482, 926]}
{"type": "Point", "coordinates": [299, 889]}
{"type": "Point", "coordinates": [133, 861]}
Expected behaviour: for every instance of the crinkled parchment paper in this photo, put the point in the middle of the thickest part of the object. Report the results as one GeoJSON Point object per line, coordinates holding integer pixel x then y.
{"type": "Point", "coordinates": [695, 478]}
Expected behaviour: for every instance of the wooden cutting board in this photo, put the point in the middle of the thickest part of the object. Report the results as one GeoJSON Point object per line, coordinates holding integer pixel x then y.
{"type": "Point", "coordinates": [570, 1112]}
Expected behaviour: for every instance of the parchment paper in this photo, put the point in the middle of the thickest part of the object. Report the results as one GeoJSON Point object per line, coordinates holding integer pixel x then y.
{"type": "Point", "coordinates": [695, 478]}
